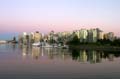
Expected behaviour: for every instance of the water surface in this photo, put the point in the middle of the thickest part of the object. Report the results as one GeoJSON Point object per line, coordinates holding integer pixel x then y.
{"type": "Point", "coordinates": [22, 62]}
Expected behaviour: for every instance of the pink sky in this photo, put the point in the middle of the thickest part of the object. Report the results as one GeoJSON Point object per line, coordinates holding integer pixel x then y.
{"type": "Point", "coordinates": [60, 15]}
{"type": "Point", "coordinates": [61, 25]}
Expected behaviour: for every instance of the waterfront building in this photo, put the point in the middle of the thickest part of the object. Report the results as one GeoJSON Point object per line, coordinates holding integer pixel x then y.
{"type": "Point", "coordinates": [109, 36]}
{"type": "Point", "coordinates": [51, 37]}
{"type": "Point", "coordinates": [60, 37]}
{"type": "Point", "coordinates": [67, 36]}
{"type": "Point", "coordinates": [31, 37]}
{"type": "Point", "coordinates": [94, 31]}
{"type": "Point", "coordinates": [3, 42]}
{"type": "Point", "coordinates": [55, 38]}
{"type": "Point", "coordinates": [24, 37]}
{"type": "Point", "coordinates": [20, 39]}
{"type": "Point", "coordinates": [77, 32]}
{"type": "Point", "coordinates": [45, 38]}
{"type": "Point", "coordinates": [83, 34]}
{"type": "Point", "coordinates": [37, 36]}
{"type": "Point", "coordinates": [105, 36]}
{"type": "Point", "coordinates": [64, 36]}
{"type": "Point", "coordinates": [100, 34]}
{"type": "Point", "coordinates": [92, 35]}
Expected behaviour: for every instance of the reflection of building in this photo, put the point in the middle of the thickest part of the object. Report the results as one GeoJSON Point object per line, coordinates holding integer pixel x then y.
{"type": "Point", "coordinates": [25, 50]}
{"type": "Point", "coordinates": [111, 57]}
{"type": "Point", "coordinates": [20, 39]}
{"type": "Point", "coordinates": [65, 36]}
{"type": "Point", "coordinates": [98, 56]}
{"type": "Point", "coordinates": [35, 52]}
{"type": "Point", "coordinates": [77, 32]}
{"type": "Point", "coordinates": [83, 56]}
{"type": "Point", "coordinates": [64, 54]}
{"type": "Point", "coordinates": [87, 56]}
{"type": "Point", "coordinates": [94, 56]}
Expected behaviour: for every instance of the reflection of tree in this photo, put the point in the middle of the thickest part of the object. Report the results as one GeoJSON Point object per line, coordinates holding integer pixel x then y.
{"type": "Point", "coordinates": [74, 41]}
{"type": "Point", "coordinates": [99, 57]}
{"type": "Point", "coordinates": [84, 56]}
{"type": "Point", "coordinates": [75, 54]}
{"type": "Point", "coordinates": [110, 55]}
{"type": "Point", "coordinates": [93, 56]}
{"type": "Point", "coordinates": [90, 56]}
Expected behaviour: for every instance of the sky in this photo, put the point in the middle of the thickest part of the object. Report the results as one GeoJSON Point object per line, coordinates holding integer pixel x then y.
{"type": "Point", "coordinates": [17, 16]}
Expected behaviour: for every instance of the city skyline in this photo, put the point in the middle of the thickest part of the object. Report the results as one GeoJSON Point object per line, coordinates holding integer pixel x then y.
{"type": "Point", "coordinates": [19, 16]}
{"type": "Point", "coordinates": [9, 36]}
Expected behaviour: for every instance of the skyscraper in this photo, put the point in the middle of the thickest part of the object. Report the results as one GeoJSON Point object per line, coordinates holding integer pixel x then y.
{"type": "Point", "coordinates": [37, 36]}
{"type": "Point", "coordinates": [83, 35]}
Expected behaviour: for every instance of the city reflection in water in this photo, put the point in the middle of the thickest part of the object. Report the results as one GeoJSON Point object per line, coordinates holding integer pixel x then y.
{"type": "Point", "coordinates": [83, 56]}
{"type": "Point", "coordinates": [93, 56]}
{"type": "Point", "coordinates": [87, 56]}
{"type": "Point", "coordinates": [49, 53]}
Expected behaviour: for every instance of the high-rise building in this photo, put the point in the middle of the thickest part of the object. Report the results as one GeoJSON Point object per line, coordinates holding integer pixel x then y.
{"type": "Point", "coordinates": [37, 36]}
{"type": "Point", "coordinates": [92, 35]}
{"type": "Point", "coordinates": [31, 37]}
{"type": "Point", "coordinates": [100, 34]}
{"type": "Point", "coordinates": [109, 36]}
{"type": "Point", "coordinates": [77, 32]}
{"type": "Point", "coordinates": [20, 39]}
{"type": "Point", "coordinates": [25, 40]}
{"type": "Point", "coordinates": [83, 34]}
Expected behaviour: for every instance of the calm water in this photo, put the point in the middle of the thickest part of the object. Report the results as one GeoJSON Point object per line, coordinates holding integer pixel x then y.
{"type": "Point", "coordinates": [21, 62]}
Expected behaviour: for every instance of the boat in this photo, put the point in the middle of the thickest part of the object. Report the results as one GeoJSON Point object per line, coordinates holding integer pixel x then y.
{"type": "Point", "coordinates": [55, 45]}
{"type": "Point", "coordinates": [65, 46]}
{"type": "Point", "coordinates": [3, 42]}
{"type": "Point", "coordinates": [36, 44]}
{"type": "Point", "coordinates": [47, 45]}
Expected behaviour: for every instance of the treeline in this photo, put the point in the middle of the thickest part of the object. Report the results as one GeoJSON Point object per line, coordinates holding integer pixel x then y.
{"type": "Point", "coordinates": [102, 42]}
{"type": "Point", "coordinates": [115, 42]}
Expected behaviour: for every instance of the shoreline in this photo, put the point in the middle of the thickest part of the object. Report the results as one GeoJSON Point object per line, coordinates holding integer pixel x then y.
{"type": "Point", "coordinates": [94, 47]}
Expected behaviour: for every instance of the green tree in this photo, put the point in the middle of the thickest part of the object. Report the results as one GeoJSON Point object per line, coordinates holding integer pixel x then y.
{"type": "Point", "coordinates": [74, 41]}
